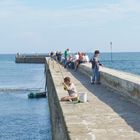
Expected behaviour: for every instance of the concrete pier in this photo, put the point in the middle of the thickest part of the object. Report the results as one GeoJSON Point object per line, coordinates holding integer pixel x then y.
{"type": "Point", "coordinates": [30, 58]}
{"type": "Point", "coordinates": [106, 116]}
{"type": "Point", "coordinates": [126, 84]}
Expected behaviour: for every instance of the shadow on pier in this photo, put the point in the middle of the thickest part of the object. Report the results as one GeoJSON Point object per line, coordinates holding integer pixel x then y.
{"type": "Point", "coordinates": [127, 110]}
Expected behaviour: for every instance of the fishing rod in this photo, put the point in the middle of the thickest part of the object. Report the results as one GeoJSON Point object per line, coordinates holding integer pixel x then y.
{"type": "Point", "coordinates": [60, 69]}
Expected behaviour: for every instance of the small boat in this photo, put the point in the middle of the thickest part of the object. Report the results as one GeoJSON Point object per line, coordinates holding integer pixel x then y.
{"type": "Point", "coordinates": [37, 94]}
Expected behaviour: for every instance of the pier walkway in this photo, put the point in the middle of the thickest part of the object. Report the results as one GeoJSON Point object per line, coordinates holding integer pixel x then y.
{"type": "Point", "coordinates": [106, 116]}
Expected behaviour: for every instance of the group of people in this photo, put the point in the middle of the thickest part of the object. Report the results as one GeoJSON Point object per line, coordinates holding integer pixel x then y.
{"type": "Point", "coordinates": [70, 60]}
{"type": "Point", "coordinates": [73, 61]}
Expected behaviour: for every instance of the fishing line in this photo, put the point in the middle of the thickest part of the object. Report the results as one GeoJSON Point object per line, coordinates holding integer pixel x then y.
{"type": "Point", "coordinates": [60, 70]}
{"type": "Point", "coordinates": [52, 59]}
{"type": "Point", "coordinates": [39, 84]}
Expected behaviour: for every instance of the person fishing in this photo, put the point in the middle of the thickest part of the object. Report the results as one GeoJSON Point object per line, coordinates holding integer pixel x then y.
{"type": "Point", "coordinates": [95, 68]}
{"type": "Point", "coordinates": [70, 88]}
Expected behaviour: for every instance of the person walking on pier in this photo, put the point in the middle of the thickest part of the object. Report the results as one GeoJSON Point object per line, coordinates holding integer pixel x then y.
{"type": "Point", "coordinates": [70, 87]}
{"type": "Point", "coordinates": [95, 68]}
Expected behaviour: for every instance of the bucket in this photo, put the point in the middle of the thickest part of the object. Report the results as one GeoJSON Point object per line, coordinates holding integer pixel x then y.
{"type": "Point", "coordinates": [83, 97]}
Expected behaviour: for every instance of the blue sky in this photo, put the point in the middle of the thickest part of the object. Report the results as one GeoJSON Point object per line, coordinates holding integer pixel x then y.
{"type": "Point", "coordinates": [33, 26]}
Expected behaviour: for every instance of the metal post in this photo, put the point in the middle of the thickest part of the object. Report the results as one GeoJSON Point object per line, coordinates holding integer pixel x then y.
{"type": "Point", "coordinates": [111, 50]}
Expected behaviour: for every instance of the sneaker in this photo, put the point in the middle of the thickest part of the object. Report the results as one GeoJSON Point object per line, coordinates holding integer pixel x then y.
{"type": "Point", "coordinates": [99, 83]}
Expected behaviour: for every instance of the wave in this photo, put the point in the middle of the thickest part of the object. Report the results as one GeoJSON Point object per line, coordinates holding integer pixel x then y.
{"type": "Point", "coordinates": [19, 89]}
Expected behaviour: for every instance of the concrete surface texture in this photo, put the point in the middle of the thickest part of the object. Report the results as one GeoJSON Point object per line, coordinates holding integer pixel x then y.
{"type": "Point", "coordinates": [106, 116]}
{"type": "Point", "coordinates": [120, 74]}
{"type": "Point", "coordinates": [127, 84]}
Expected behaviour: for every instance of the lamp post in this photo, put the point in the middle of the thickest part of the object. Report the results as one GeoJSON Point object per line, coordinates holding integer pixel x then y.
{"type": "Point", "coordinates": [111, 50]}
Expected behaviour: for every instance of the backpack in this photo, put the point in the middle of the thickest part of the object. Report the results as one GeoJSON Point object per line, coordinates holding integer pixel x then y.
{"type": "Point", "coordinates": [92, 62]}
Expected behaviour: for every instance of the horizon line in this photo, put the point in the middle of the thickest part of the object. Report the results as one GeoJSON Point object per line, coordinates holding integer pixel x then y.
{"type": "Point", "coordinates": [71, 52]}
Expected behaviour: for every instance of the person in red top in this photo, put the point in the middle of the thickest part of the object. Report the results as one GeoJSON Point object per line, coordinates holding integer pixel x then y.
{"type": "Point", "coordinates": [79, 61]}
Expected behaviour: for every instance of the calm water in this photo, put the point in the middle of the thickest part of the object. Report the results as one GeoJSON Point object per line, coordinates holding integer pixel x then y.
{"type": "Point", "coordinates": [22, 118]}
{"type": "Point", "coordinates": [129, 62]}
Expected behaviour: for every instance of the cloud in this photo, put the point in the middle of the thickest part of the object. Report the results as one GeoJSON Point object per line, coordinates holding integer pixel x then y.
{"type": "Point", "coordinates": [31, 25]}
{"type": "Point", "coordinates": [19, 12]}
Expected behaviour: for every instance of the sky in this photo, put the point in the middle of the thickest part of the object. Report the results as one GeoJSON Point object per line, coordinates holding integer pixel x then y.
{"type": "Point", "coordinates": [40, 26]}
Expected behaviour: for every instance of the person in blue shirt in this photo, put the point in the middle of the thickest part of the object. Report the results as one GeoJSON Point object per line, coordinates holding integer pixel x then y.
{"type": "Point", "coordinates": [95, 68]}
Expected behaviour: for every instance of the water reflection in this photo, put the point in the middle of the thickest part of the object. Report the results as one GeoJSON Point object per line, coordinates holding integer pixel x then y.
{"type": "Point", "coordinates": [22, 118]}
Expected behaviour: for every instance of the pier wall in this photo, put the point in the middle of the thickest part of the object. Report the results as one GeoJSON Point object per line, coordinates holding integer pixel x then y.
{"type": "Point", "coordinates": [99, 117]}
{"type": "Point", "coordinates": [59, 129]}
{"type": "Point", "coordinates": [34, 58]}
{"type": "Point", "coordinates": [127, 84]}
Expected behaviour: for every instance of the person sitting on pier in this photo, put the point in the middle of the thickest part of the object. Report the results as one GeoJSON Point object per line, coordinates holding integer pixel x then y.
{"type": "Point", "coordinates": [70, 62]}
{"type": "Point", "coordinates": [79, 60]}
{"type": "Point", "coordinates": [70, 87]}
{"type": "Point", "coordinates": [85, 58]}
{"type": "Point", "coordinates": [82, 58]}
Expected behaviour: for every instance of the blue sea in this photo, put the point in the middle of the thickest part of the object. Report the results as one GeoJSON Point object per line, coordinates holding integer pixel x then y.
{"type": "Point", "coordinates": [22, 118]}
{"type": "Point", "coordinates": [128, 62]}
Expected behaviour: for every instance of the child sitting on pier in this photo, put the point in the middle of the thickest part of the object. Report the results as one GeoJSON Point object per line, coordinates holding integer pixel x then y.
{"type": "Point", "coordinates": [70, 87]}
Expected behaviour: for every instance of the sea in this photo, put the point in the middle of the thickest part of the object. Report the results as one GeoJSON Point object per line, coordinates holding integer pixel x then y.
{"type": "Point", "coordinates": [29, 119]}
{"type": "Point", "coordinates": [22, 118]}
{"type": "Point", "coordinates": [128, 62]}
